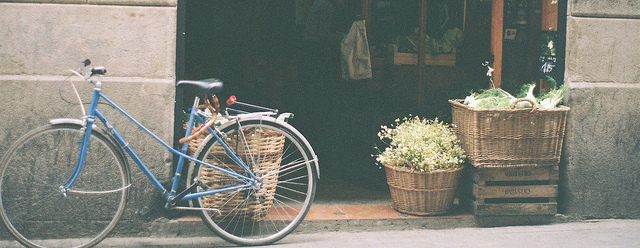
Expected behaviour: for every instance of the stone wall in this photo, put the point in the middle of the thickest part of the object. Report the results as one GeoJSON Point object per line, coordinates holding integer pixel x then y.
{"type": "Point", "coordinates": [601, 160]}
{"type": "Point", "coordinates": [134, 39]}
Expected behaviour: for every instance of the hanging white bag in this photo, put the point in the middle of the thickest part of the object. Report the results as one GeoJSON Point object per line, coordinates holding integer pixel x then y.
{"type": "Point", "coordinates": [356, 60]}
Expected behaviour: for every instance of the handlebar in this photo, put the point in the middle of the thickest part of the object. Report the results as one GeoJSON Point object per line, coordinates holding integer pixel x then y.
{"type": "Point", "coordinates": [98, 70]}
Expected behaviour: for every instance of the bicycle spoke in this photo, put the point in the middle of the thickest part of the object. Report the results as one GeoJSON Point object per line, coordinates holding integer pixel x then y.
{"type": "Point", "coordinates": [289, 167]}
{"type": "Point", "coordinates": [291, 189]}
{"type": "Point", "coordinates": [281, 210]}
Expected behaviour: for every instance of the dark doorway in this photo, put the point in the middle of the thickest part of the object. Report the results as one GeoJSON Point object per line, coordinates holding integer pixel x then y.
{"type": "Point", "coordinates": [256, 47]}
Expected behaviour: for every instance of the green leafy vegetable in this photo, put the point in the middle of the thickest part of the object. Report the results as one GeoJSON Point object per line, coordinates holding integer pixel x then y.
{"type": "Point", "coordinates": [498, 98]}
{"type": "Point", "coordinates": [553, 98]}
{"type": "Point", "coordinates": [491, 98]}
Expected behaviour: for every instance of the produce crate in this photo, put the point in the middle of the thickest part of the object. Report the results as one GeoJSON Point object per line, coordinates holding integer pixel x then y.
{"type": "Point", "coordinates": [510, 137]}
{"type": "Point", "coordinates": [530, 190]}
{"type": "Point", "coordinates": [398, 58]}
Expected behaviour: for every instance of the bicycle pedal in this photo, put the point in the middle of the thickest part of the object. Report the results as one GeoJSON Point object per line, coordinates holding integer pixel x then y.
{"type": "Point", "coordinates": [148, 212]}
{"type": "Point", "coordinates": [144, 212]}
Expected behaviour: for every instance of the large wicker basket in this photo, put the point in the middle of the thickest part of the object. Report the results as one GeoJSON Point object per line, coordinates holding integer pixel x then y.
{"type": "Point", "coordinates": [267, 149]}
{"type": "Point", "coordinates": [510, 137]}
{"type": "Point", "coordinates": [422, 193]}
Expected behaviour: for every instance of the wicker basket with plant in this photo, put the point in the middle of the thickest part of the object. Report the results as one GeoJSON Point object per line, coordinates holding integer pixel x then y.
{"type": "Point", "coordinates": [423, 163]}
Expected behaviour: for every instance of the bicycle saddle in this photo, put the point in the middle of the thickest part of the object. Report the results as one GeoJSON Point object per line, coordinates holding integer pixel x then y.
{"type": "Point", "coordinates": [209, 86]}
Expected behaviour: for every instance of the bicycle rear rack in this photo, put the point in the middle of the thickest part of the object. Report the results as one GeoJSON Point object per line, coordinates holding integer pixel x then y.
{"type": "Point", "coordinates": [247, 108]}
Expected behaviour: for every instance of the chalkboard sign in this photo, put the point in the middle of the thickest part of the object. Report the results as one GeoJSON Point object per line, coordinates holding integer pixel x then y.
{"type": "Point", "coordinates": [547, 63]}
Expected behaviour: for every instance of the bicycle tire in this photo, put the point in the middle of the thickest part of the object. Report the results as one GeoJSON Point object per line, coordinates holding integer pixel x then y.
{"type": "Point", "coordinates": [269, 212]}
{"type": "Point", "coordinates": [32, 206]}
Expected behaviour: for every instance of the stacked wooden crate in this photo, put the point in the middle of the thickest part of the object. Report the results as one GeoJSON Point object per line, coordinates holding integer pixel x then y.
{"type": "Point", "coordinates": [514, 155]}
{"type": "Point", "coordinates": [519, 190]}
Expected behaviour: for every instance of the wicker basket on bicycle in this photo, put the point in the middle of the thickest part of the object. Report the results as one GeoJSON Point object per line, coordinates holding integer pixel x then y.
{"type": "Point", "coordinates": [266, 146]}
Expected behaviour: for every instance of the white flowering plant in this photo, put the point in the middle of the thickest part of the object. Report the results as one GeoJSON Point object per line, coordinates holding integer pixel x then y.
{"type": "Point", "coordinates": [420, 144]}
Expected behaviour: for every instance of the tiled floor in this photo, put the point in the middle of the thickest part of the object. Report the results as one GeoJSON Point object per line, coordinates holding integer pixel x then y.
{"type": "Point", "coordinates": [368, 212]}
{"type": "Point", "coordinates": [354, 212]}
{"type": "Point", "coordinates": [340, 200]}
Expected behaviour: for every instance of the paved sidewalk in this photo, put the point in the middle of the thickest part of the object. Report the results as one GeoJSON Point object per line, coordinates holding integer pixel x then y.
{"type": "Point", "coordinates": [592, 233]}
{"type": "Point", "coordinates": [602, 233]}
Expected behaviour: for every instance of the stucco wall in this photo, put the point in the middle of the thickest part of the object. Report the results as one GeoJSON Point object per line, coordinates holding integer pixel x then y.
{"type": "Point", "coordinates": [135, 40]}
{"type": "Point", "coordinates": [601, 165]}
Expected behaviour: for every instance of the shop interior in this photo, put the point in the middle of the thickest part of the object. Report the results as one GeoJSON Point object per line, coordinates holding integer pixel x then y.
{"type": "Point", "coordinates": [257, 47]}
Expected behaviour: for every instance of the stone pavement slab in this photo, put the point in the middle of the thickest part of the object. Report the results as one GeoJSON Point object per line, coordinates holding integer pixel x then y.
{"type": "Point", "coordinates": [591, 233]}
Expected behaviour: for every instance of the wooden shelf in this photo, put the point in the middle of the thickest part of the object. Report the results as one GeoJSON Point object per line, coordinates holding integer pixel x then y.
{"type": "Point", "coordinates": [398, 58]}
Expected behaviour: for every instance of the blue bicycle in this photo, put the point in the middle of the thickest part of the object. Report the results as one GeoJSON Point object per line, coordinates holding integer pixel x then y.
{"type": "Point", "coordinates": [250, 175]}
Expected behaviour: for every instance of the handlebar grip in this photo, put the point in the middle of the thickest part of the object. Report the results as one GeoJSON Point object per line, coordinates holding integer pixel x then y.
{"type": "Point", "coordinates": [100, 70]}
{"type": "Point", "coordinates": [86, 62]}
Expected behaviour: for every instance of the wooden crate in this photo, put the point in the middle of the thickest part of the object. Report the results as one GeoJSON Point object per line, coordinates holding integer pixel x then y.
{"type": "Point", "coordinates": [398, 58]}
{"type": "Point", "coordinates": [521, 190]}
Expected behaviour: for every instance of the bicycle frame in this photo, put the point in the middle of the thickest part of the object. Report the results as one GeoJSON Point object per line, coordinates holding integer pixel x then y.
{"type": "Point", "coordinates": [169, 193]}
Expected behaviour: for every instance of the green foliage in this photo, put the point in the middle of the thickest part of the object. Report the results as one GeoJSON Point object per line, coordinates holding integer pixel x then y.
{"type": "Point", "coordinates": [411, 43]}
{"type": "Point", "coordinates": [549, 45]}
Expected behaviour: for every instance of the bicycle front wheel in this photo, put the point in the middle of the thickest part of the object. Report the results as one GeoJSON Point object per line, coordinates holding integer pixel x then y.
{"type": "Point", "coordinates": [32, 205]}
{"type": "Point", "coordinates": [284, 166]}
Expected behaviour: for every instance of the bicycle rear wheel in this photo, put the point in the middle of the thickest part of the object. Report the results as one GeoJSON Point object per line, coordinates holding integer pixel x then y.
{"type": "Point", "coordinates": [32, 206]}
{"type": "Point", "coordinates": [287, 181]}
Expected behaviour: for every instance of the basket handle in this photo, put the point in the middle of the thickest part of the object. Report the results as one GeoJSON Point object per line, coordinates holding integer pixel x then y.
{"type": "Point", "coordinates": [535, 106]}
{"type": "Point", "coordinates": [403, 160]}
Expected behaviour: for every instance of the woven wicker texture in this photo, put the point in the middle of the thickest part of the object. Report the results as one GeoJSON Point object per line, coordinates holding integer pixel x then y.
{"type": "Point", "coordinates": [510, 137]}
{"type": "Point", "coordinates": [265, 147]}
{"type": "Point", "coordinates": [422, 193]}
